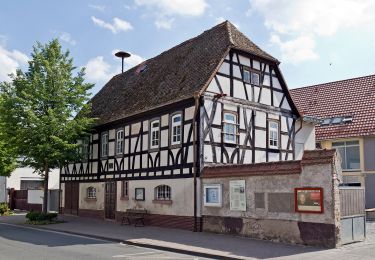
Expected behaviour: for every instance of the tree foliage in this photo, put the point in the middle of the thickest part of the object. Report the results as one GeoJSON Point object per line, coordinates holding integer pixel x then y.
{"type": "Point", "coordinates": [45, 109]}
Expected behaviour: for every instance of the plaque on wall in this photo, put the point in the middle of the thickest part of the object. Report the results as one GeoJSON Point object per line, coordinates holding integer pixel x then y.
{"type": "Point", "coordinates": [237, 195]}
{"type": "Point", "coordinates": [139, 193]}
{"type": "Point", "coordinates": [308, 200]}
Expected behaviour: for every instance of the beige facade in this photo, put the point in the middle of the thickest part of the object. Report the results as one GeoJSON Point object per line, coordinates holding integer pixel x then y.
{"type": "Point", "coordinates": [91, 203]}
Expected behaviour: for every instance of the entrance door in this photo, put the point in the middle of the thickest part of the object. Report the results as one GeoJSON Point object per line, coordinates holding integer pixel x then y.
{"type": "Point", "coordinates": [110, 200]}
{"type": "Point", "coordinates": [71, 198]}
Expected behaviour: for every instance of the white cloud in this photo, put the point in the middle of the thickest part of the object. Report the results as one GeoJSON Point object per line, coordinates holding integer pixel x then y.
{"type": "Point", "coordinates": [307, 20]}
{"type": "Point", "coordinates": [167, 9]}
{"type": "Point", "coordinates": [296, 50]}
{"type": "Point", "coordinates": [100, 71]}
{"type": "Point", "coordinates": [164, 23]}
{"type": "Point", "coordinates": [66, 37]}
{"type": "Point", "coordinates": [176, 7]}
{"type": "Point", "coordinates": [118, 25]}
{"type": "Point", "coordinates": [100, 8]}
{"type": "Point", "coordinates": [10, 61]}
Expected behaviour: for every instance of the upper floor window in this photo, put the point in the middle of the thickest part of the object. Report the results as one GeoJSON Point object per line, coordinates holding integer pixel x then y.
{"type": "Point", "coordinates": [104, 151]}
{"type": "Point", "coordinates": [255, 78]}
{"type": "Point", "coordinates": [163, 192]}
{"type": "Point", "coordinates": [273, 134]}
{"type": "Point", "coordinates": [91, 193]}
{"type": "Point", "coordinates": [246, 75]}
{"type": "Point", "coordinates": [119, 141]}
{"type": "Point", "coordinates": [230, 127]}
{"type": "Point", "coordinates": [176, 129]}
{"type": "Point", "coordinates": [155, 134]}
{"type": "Point", "coordinates": [85, 149]}
{"type": "Point", "coordinates": [349, 153]}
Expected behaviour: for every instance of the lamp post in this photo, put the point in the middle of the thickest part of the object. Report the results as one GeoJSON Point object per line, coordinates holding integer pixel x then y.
{"type": "Point", "coordinates": [122, 55]}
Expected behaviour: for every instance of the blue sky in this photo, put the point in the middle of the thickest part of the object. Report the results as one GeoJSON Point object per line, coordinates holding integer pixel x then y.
{"type": "Point", "coordinates": [316, 40]}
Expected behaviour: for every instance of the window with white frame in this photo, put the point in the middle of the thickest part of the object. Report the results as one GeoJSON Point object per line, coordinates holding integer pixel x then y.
{"type": "Point", "coordinates": [104, 151]}
{"type": "Point", "coordinates": [212, 195]}
{"type": "Point", "coordinates": [230, 127]}
{"type": "Point", "coordinates": [273, 134]}
{"type": "Point", "coordinates": [349, 153]}
{"type": "Point", "coordinates": [246, 75]}
{"type": "Point", "coordinates": [163, 192]}
{"type": "Point", "coordinates": [176, 129]}
{"type": "Point", "coordinates": [119, 141]}
{"type": "Point", "coordinates": [155, 134]}
{"type": "Point", "coordinates": [91, 193]}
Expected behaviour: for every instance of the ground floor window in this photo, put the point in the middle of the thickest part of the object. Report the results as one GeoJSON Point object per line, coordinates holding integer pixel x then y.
{"type": "Point", "coordinates": [163, 192]}
{"type": "Point", "coordinates": [91, 193]}
{"type": "Point", "coordinates": [124, 189]}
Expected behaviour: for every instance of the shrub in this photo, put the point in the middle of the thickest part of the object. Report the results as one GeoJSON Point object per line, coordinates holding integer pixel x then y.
{"type": "Point", "coordinates": [4, 209]}
{"type": "Point", "coordinates": [39, 216]}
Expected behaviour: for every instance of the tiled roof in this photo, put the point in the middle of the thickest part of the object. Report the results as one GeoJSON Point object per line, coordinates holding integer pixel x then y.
{"type": "Point", "coordinates": [172, 76]}
{"type": "Point", "coordinates": [352, 97]}
{"type": "Point", "coordinates": [310, 157]}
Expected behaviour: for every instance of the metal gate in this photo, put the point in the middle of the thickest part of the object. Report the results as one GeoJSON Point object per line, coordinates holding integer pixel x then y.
{"type": "Point", "coordinates": [110, 200]}
{"type": "Point", "coordinates": [71, 198]}
{"type": "Point", "coordinates": [353, 215]}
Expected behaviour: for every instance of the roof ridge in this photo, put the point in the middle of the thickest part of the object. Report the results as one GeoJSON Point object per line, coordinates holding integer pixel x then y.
{"type": "Point", "coordinates": [335, 81]}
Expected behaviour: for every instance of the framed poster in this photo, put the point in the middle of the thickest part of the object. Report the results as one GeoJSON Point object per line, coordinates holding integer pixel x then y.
{"type": "Point", "coordinates": [139, 193]}
{"type": "Point", "coordinates": [212, 195]}
{"type": "Point", "coordinates": [308, 200]}
{"type": "Point", "coordinates": [237, 195]}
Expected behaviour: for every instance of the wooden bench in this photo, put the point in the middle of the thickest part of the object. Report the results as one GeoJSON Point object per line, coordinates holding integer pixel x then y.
{"type": "Point", "coordinates": [136, 216]}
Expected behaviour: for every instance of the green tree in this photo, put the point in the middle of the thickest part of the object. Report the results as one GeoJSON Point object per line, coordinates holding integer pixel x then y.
{"type": "Point", "coordinates": [7, 154]}
{"type": "Point", "coordinates": [45, 110]}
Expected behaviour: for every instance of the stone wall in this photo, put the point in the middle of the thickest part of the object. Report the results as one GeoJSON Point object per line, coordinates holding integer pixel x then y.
{"type": "Point", "coordinates": [270, 203]}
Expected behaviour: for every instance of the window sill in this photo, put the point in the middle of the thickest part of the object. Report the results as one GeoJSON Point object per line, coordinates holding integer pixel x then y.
{"type": "Point", "coordinates": [124, 198]}
{"type": "Point", "coordinates": [173, 146]}
{"type": "Point", "coordinates": [166, 202]}
{"type": "Point", "coordinates": [90, 199]}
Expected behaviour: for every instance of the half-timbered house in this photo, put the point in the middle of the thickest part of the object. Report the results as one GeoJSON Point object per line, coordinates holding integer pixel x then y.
{"type": "Point", "coordinates": [214, 99]}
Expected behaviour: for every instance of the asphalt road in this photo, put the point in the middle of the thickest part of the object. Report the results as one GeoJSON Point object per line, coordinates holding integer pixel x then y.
{"type": "Point", "coordinates": [24, 243]}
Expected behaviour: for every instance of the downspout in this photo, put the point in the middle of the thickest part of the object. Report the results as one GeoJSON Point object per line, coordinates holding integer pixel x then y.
{"type": "Point", "coordinates": [196, 98]}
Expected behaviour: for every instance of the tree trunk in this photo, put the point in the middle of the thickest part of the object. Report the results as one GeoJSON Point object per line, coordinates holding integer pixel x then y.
{"type": "Point", "coordinates": [45, 197]}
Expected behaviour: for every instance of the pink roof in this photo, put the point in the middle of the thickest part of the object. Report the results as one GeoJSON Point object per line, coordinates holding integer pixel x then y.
{"type": "Point", "coordinates": [352, 97]}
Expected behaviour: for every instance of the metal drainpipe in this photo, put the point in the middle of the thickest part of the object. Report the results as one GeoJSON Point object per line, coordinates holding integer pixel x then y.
{"type": "Point", "coordinates": [196, 98]}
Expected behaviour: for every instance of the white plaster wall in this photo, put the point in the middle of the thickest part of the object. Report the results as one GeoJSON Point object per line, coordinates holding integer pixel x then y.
{"type": "Point", "coordinates": [14, 181]}
{"type": "Point", "coordinates": [182, 197]}
{"type": "Point", "coordinates": [94, 204]}
{"type": "Point", "coordinates": [305, 138]}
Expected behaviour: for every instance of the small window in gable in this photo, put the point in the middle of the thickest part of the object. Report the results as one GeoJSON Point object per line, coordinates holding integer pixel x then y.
{"type": "Point", "coordinates": [91, 193]}
{"type": "Point", "coordinates": [155, 134]}
{"type": "Point", "coordinates": [163, 192]}
{"type": "Point", "coordinates": [176, 129]}
{"type": "Point", "coordinates": [119, 141]}
{"type": "Point", "coordinates": [246, 75]}
{"type": "Point", "coordinates": [230, 127]}
{"type": "Point", "coordinates": [255, 78]}
{"type": "Point", "coordinates": [273, 134]}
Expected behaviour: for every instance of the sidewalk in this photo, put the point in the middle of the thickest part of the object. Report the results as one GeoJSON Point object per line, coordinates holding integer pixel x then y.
{"type": "Point", "coordinates": [202, 244]}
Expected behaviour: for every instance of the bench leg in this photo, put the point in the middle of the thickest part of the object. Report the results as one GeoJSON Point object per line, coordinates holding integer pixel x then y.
{"type": "Point", "coordinates": [125, 221]}
{"type": "Point", "coordinates": [139, 222]}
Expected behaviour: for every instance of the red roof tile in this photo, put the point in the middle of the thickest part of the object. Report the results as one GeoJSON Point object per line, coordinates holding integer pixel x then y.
{"type": "Point", "coordinates": [352, 97]}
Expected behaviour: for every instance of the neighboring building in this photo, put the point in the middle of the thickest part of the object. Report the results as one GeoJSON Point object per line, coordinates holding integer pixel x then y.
{"type": "Point", "coordinates": [3, 192]}
{"type": "Point", "coordinates": [347, 110]}
{"type": "Point", "coordinates": [24, 178]}
{"type": "Point", "coordinates": [143, 151]}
